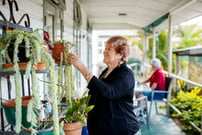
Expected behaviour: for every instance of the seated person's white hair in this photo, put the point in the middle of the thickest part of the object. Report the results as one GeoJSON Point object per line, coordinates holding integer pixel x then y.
{"type": "Point", "coordinates": [156, 63]}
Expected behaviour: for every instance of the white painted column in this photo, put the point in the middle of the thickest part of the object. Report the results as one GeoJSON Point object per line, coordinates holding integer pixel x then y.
{"type": "Point", "coordinates": [154, 44]}
{"type": "Point", "coordinates": [170, 45]}
{"type": "Point", "coordinates": [144, 47]}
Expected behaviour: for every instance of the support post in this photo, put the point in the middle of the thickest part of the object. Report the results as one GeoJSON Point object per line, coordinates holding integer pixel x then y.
{"type": "Point", "coordinates": [154, 44]}
{"type": "Point", "coordinates": [170, 46]}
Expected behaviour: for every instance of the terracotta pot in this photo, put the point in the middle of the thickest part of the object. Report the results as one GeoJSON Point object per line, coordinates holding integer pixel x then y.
{"type": "Point", "coordinates": [10, 65]}
{"type": "Point", "coordinates": [39, 66]}
{"type": "Point", "coordinates": [57, 50]}
{"type": "Point", "coordinates": [73, 128]}
{"type": "Point", "coordinates": [25, 101]}
{"type": "Point", "coordinates": [23, 65]}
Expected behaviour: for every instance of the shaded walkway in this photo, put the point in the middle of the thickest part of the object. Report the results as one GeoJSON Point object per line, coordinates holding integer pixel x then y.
{"type": "Point", "coordinates": [160, 124]}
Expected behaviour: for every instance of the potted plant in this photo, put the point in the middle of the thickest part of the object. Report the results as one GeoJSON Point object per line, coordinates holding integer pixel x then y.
{"type": "Point", "coordinates": [58, 48]}
{"type": "Point", "coordinates": [21, 47]}
{"type": "Point", "coordinates": [75, 115]}
{"type": "Point", "coordinates": [43, 126]}
{"type": "Point", "coordinates": [77, 108]}
{"type": "Point", "coordinates": [31, 45]}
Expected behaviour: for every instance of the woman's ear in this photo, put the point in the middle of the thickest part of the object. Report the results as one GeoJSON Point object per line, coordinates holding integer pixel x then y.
{"type": "Point", "coordinates": [120, 56]}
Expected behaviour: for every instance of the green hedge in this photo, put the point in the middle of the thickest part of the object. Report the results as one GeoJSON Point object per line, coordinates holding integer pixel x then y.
{"type": "Point", "coordinates": [189, 104]}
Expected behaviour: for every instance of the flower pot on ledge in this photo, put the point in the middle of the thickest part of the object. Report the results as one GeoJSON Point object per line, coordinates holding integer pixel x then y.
{"type": "Point", "coordinates": [73, 128]}
{"type": "Point", "coordinates": [23, 65]}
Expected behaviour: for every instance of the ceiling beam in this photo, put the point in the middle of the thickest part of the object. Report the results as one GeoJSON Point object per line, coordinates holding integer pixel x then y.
{"type": "Point", "coordinates": [181, 7]}
{"type": "Point", "coordinates": [156, 22]}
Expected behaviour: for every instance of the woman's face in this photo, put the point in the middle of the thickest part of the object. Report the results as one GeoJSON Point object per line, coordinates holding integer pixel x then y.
{"type": "Point", "coordinates": [110, 55]}
{"type": "Point", "coordinates": [153, 68]}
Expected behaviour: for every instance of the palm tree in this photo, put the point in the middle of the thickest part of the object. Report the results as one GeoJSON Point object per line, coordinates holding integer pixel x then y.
{"type": "Point", "coordinates": [161, 48]}
{"type": "Point", "coordinates": [190, 35]}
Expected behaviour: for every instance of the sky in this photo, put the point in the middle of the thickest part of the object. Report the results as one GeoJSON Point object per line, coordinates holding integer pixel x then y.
{"type": "Point", "coordinates": [194, 20]}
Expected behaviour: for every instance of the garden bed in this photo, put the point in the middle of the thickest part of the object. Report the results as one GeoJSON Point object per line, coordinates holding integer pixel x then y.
{"type": "Point", "coordinates": [186, 108]}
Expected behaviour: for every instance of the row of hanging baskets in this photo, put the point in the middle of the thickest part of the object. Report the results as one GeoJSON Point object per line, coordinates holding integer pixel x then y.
{"type": "Point", "coordinates": [56, 51]}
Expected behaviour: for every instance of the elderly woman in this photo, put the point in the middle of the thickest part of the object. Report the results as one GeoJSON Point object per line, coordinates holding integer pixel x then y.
{"type": "Point", "coordinates": [111, 93]}
{"type": "Point", "coordinates": [156, 80]}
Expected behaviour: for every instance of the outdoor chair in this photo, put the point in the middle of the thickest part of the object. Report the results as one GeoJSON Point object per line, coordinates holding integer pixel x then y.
{"type": "Point", "coordinates": [166, 99]}
{"type": "Point", "coordinates": [141, 110]}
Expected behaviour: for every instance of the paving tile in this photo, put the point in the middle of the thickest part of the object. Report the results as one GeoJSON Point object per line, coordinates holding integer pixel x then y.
{"type": "Point", "coordinates": [160, 124]}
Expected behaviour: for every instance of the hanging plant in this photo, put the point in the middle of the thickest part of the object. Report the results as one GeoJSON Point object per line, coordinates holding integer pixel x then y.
{"type": "Point", "coordinates": [58, 49]}
{"type": "Point", "coordinates": [77, 108]}
{"type": "Point", "coordinates": [23, 46]}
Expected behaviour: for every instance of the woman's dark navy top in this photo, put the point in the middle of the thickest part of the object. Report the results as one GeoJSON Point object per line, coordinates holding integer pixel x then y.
{"type": "Point", "coordinates": [113, 100]}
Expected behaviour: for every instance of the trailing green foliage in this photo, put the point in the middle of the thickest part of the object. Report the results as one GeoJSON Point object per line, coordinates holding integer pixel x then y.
{"type": "Point", "coordinates": [33, 44]}
{"type": "Point", "coordinates": [77, 107]}
{"type": "Point", "coordinates": [18, 100]}
{"type": "Point", "coordinates": [61, 41]}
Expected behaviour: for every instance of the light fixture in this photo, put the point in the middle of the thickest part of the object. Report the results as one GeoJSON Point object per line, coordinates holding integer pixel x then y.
{"type": "Point", "coordinates": [122, 14]}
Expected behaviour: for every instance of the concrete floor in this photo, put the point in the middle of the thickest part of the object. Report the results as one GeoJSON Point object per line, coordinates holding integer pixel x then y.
{"type": "Point", "coordinates": [160, 124]}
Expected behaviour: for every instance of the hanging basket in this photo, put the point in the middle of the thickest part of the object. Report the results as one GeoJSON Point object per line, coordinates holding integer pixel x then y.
{"type": "Point", "coordinates": [58, 49]}
{"type": "Point", "coordinates": [9, 109]}
{"type": "Point", "coordinates": [56, 52]}
{"type": "Point", "coordinates": [73, 128]}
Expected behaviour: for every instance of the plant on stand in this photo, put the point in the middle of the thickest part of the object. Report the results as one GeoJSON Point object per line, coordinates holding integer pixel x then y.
{"type": "Point", "coordinates": [75, 116]}
{"type": "Point", "coordinates": [21, 46]}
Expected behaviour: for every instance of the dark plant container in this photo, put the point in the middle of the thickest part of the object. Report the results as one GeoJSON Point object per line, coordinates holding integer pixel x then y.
{"type": "Point", "coordinates": [21, 51]}
{"type": "Point", "coordinates": [9, 109]}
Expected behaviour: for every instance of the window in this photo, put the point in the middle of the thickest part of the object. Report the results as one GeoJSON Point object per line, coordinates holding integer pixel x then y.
{"type": "Point", "coordinates": [53, 19]}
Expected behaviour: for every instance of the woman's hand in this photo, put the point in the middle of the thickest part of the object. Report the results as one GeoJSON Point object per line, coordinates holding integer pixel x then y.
{"type": "Point", "coordinates": [75, 61]}
{"type": "Point", "coordinates": [78, 64]}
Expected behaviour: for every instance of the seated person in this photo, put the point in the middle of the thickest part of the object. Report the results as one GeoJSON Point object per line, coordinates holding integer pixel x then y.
{"type": "Point", "coordinates": [156, 81]}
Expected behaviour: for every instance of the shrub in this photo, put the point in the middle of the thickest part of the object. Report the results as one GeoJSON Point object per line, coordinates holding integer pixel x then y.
{"type": "Point", "coordinates": [190, 106]}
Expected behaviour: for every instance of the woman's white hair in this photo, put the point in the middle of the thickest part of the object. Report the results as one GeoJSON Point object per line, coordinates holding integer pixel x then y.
{"type": "Point", "coordinates": [156, 63]}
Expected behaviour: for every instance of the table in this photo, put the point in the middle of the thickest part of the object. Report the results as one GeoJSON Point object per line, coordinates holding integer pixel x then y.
{"type": "Point", "coordinates": [139, 89]}
{"type": "Point", "coordinates": [143, 87]}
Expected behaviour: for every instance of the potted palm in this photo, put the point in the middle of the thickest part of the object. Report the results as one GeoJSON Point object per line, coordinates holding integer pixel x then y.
{"type": "Point", "coordinates": [30, 45]}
